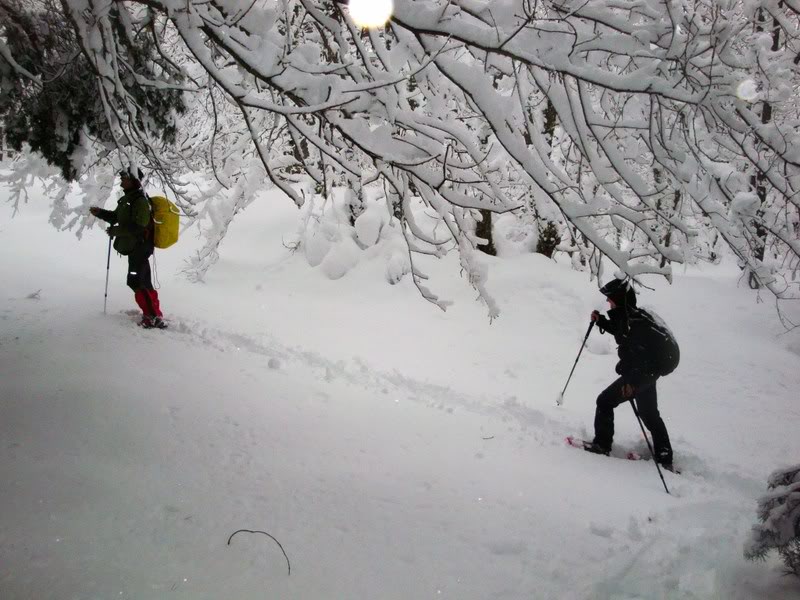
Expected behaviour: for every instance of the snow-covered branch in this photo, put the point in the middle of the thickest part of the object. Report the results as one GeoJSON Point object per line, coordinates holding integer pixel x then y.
{"type": "Point", "coordinates": [634, 127]}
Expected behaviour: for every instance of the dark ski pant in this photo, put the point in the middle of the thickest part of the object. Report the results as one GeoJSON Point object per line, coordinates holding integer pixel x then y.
{"type": "Point", "coordinates": [140, 280]}
{"type": "Point", "coordinates": [646, 404]}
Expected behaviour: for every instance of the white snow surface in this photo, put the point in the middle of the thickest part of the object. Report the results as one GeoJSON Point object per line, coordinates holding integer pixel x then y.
{"type": "Point", "coordinates": [396, 451]}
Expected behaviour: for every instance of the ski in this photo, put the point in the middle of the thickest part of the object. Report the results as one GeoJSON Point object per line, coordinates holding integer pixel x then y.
{"type": "Point", "coordinates": [582, 444]}
{"type": "Point", "coordinates": [576, 442]}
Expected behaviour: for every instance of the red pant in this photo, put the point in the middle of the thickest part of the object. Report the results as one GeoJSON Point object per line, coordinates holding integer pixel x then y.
{"type": "Point", "coordinates": [148, 302]}
{"type": "Point", "coordinates": [140, 282]}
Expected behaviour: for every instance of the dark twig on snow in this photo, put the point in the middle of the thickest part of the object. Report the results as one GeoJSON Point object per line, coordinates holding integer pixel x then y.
{"type": "Point", "coordinates": [268, 535]}
{"type": "Point", "coordinates": [291, 246]}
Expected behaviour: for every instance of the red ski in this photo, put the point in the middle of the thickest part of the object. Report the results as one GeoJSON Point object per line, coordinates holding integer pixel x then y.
{"type": "Point", "coordinates": [579, 443]}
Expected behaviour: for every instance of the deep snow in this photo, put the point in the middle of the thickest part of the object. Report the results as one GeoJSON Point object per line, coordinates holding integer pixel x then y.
{"type": "Point", "coordinates": [396, 451]}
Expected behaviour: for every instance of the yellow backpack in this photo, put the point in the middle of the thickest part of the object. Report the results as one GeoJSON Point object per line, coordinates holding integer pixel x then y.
{"type": "Point", "coordinates": [166, 218]}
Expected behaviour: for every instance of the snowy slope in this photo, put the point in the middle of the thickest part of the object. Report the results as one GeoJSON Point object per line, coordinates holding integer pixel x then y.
{"type": "Point", "coordinates": [395, 451]}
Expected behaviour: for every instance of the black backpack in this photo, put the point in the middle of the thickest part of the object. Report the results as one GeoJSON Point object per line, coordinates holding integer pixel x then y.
{"type": "Point", "coordinates": [662, 343]}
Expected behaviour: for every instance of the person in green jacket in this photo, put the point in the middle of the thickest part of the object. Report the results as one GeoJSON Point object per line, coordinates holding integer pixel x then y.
{"type": "Point", "coordinates": [132, 230]}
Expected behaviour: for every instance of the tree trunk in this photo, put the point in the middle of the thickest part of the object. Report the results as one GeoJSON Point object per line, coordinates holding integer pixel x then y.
{"type": "Point", "coordinates": [676, 200]}
{"type": "Point", "coordinates": [550, 118]}
{"type": "Point", "coordinates": [759, 180]}
{"type": "Point", "coordinates": [549, 237]}
{"type": "Point", "coordinates": [668, 237]}
{"type": "Point", "coordinates": [484, 230]}
{"type": "Point", "coordinates": [355, 199]}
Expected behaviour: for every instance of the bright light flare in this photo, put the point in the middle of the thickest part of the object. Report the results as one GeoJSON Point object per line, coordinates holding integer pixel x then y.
{"type": "Point", "coordinates": [371, 13]}
{"type": "Point", "coordinates": [747, 90]}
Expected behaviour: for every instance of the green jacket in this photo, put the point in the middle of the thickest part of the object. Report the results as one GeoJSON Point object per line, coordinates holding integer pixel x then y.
{"type": "Point", "coordinates": [130, 221]}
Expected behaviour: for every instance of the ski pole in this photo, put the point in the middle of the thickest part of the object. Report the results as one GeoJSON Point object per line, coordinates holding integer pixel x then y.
{"type": "Point", "coordinates": [108, 267]}
{"type": "Point", "coordinates": [560, 399]}
{"type": "Point", "coordinates": [649, 447]}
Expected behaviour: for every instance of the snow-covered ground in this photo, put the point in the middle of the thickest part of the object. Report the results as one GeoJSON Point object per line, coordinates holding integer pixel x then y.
{"type": "Point", "coordinates": [395, 451]}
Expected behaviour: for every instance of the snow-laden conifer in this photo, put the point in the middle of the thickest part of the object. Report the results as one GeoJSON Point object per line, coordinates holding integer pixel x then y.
{"type": "Point", "coordinates": [779, 516]}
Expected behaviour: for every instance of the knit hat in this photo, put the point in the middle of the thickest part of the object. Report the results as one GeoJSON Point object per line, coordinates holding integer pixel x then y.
{"type": "Point", "coordinates": [620, 291]}
{"type": "Point", "coordinates": [131, 172]}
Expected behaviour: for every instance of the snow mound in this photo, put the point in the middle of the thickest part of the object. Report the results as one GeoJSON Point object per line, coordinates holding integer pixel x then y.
{"type": "Point", "coordinates": [370, 223]}
{"type": "Point", "coordinates": [316, 245]}
{"type": "Point", "coordinates": [342, 257]}
{"type": "Point", "coordinates": [398, 266]}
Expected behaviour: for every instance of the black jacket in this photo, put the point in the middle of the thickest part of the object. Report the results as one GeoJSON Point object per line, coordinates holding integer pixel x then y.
{"type": "Point", "coordinates": [130, 222]}
{"type": "Point", "coordinates": [633, 329]}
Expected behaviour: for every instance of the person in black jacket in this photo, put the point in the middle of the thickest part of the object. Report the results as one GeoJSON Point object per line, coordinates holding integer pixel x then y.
{"type": "Point", "coordinates": [636, 333]}
{"type": "Point", "coordinates": [132, 230]}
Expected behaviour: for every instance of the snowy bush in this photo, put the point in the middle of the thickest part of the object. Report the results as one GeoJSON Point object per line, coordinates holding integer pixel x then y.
{"type": "Point", "coordinates": [514, 235]}
{"type": "Point", "coordinates": [331, 243]}
{"type": "Point", "coordinates": [779, 513]}
{"type": "Point", "coordinates": [549, 239]}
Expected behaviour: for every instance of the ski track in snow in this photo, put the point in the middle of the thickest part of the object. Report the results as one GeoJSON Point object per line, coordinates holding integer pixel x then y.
{"type": "Point", "coordinates": [674, 539]}
{"type": "Point", "coordinates": [629, 551]}
{"type": "Point", "coordinates": [357, 372]}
